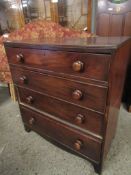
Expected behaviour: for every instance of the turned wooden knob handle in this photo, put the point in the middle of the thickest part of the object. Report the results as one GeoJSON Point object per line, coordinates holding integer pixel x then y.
{"type": "Point", "coordinates": [78, 66]}
{"type": "Point", "coordinates": [23, 80]}
{"type": "Point", "coordinates": [80, 119]}
{"type": "Point", "coordinates": [20, 58]}
{"type": "Point", "coordinates": [32, 121]}
{"type": "Point", "coordinates": [77, 94]}
{"type": "Point", "coordinates": [78, 144]}
{"type": "Point", "coordinates": [30, 99]}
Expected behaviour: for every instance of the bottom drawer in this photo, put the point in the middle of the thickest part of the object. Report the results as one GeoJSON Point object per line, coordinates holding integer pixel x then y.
{"type": "Point", "coordinates": [69, 137]}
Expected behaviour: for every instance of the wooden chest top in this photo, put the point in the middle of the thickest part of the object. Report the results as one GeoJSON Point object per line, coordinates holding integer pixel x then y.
{"type": "Point", "coordinates": [91, 44]}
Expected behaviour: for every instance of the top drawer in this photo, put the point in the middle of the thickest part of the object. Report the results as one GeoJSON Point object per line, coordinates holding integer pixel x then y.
{"type": "Point", "coordinates": [87, 65]}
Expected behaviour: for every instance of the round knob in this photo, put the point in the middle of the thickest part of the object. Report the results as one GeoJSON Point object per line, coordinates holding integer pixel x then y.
{"type": "Point", "coordinates": [20, 58]}
{"type": "Point", "coordinates": [80, 119]}
{"type": "Point", "coordinates": [23, 80]}
{"type": "Point", "coordinates": [32, 121]}
{"type": "Point", "coordinates": [77, 94]}
{"type": "Point", "coordinates": [30, 99]}
{"type": "Point", "coordinates": [78, 66]}
{"type": "Point", "coordinates": [78, 144]}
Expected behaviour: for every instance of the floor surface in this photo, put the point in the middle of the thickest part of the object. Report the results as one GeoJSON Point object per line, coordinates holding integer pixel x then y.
{"type": "Point", "coordinates": [23, 153]}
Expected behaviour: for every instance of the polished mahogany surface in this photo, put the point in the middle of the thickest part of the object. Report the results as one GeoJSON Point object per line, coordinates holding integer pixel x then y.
{"type": "Point", "coordinates": [87, 120]}
{"type": "Point", "coordinates": [90, 147]}
{"type": "Point", "coordinates": [76, 92]}
{"type": "Point", "coordinates": [69, 90]}
{"type": "Point", "coordinates": [82, 65]}
{"type": "Point", "coordinates": [91, 44]}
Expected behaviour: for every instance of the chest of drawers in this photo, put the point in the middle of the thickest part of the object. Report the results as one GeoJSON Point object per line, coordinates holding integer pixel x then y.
{"type": "Point", "coordinates": [69, 90]}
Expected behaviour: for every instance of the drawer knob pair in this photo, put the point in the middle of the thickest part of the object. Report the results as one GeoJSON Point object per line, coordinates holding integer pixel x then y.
{"type": "Point", "coordinates": [77, 95]}
{"type": "Point", "coordinates": [20, 58]}
{"type": "Point", "coordinates": [30, 100]}
{"type": "Point", "coordinates": [23, 80]}
{"type": "Point", "coordinates": [78, 145]}
{"type": "Point", "coordinates": [80, 119]}
{"type": "Point", "coordinates": [32, 121]}
{"type": "Point", "coordinates": [78, 66]}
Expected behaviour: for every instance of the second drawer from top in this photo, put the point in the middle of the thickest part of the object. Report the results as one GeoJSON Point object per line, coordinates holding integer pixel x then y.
{"type": "Point", "coordinates": [82, 94]}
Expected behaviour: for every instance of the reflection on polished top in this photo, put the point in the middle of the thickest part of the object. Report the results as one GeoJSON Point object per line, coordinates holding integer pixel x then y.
{"type": "Point", "coordinates": [108, 43]}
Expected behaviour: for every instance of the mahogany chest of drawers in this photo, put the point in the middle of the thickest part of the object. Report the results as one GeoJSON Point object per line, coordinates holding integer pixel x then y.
{"type": "Point", "coordinates": [69, 90]}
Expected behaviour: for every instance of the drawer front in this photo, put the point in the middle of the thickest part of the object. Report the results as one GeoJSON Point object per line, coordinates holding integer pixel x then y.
{"type": "Point", "coordinates": [88, 96]}
{"type": "Point", "coordinates": [69, 137]}
{"type": "Point", "coordinates": [73, 114]}
{"type": "Point", "coordinates": [94, 66]}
